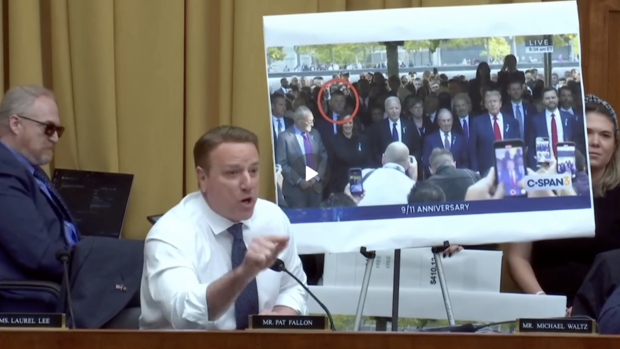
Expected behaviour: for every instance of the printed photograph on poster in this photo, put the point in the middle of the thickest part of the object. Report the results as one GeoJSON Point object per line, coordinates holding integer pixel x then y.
{"type": "Point", "coordinates": [408, 135]}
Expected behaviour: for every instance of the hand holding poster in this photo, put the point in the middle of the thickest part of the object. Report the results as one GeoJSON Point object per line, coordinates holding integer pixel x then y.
{"type": "Point", "coordinates": [477, 150]}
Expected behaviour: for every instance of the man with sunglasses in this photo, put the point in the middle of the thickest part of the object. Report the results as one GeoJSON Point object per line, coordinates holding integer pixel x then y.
{"type": "Point", "coordinates": [34, 222]}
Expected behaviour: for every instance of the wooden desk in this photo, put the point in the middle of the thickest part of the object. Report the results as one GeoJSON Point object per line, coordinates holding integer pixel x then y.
{"type": "Point", "coordinates": [290, 340]}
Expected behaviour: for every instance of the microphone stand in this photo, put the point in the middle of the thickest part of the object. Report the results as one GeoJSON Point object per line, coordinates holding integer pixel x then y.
{"type": "Point", "coordinates": [63, 256]}
{"type": "Point", "coordinates": [437, 251]}
{"type": "Point", "coordinates": [282, 267]}
{"type": "Point", "coordinates": [370, 261]}
{"type": "Point", "coordinates": [396, 290]}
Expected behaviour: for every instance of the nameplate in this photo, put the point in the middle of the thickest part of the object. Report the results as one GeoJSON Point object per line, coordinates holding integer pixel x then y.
{"type": "Point", "coordinates": [270, 322]}
{"type": "Point", "coordinates": [32, 320]}
{"type": "Point", "coordinates": [566, 326]}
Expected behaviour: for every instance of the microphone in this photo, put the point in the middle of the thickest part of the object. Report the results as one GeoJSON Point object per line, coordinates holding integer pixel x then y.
{"type": "Point", "coordinates": [279, 266]}
{"type": "Point", "coordinates": [63, 257]}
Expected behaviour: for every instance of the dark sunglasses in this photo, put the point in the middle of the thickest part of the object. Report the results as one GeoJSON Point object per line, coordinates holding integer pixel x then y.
{"type": "Point", "coordinates": [49, 129]}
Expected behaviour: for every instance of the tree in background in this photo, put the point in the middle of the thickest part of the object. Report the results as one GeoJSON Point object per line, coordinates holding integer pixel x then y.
{"type": "Point", "coordinates": [275, 54]}
{"type": "Point", "coordinates": [496, 48]}
{"type": "Point", "coordinates": [341, 54]}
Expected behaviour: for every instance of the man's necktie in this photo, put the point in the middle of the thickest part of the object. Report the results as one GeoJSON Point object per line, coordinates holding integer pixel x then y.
{"type": "Point", "coordinates": [446, 141]}
{"type": "Point", "coordinates": [70, 230]}
{"type": "Point", "coordinates": [466, 128]}
{"type": "Point", "coordinates": [554, 134]}
{"type": "Point", "coordinates": [280, 126]}
{"type": "Point", "coordinates": [308, 151]}
{"type": "Point", "coordinates": [496, 130]}
{"type": "Point", "coordinates": [394, 133]}
{"type": "Point", "coordinates": [247, 302]}
{"type": "Point", "coordinates": [520, 119]}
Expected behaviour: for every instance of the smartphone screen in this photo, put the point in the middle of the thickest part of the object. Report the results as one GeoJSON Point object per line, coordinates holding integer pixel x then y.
{"type": "Point", "coordinates": [566, 158]}
{"type": "Point", "coordinates": [510, 166]}
{"type": "Point", "coordinates": [543, 150]}
{"type": "Point", "coordinates": [355, 181]}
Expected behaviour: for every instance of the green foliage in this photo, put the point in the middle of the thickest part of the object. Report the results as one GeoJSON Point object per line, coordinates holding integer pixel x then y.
{"type": "Point", "coordinates": [433, 45]}
{"type": "Point", "coordinates": [462, 43]}
{"type": "Point", "coordinates": [340, 53]}
{"type": "Point", "coordinates": [275, 54]}
{"type": "Point", "coordinates": [496, 48]}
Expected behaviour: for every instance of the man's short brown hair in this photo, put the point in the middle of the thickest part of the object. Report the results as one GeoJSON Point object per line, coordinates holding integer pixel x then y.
{"type": "Point", "coordinates": [219, 135]}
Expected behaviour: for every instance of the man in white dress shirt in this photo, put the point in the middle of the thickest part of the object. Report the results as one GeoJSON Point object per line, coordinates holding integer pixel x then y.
{"type": "Point", "coordinates": [206, 260]}
{"type": "Point", "coordinates": [390, 184]}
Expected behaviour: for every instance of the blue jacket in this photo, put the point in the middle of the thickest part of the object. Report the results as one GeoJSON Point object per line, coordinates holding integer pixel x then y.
{"type": "Point", "coordinates": [609, 318]}
{"type": "Point", "coordinates": [31, 231]}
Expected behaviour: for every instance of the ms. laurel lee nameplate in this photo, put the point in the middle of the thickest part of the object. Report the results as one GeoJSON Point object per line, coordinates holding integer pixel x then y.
{"type": "Point", "coordinates": [269, 322]}
{"type": "Point", "coordinates": [40, 321]}
{"type": "Point", "coordinates": [565, 326]}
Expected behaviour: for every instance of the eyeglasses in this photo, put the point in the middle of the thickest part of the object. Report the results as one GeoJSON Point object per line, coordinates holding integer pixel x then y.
{"type": "Point", "coordinates": [49, 129]}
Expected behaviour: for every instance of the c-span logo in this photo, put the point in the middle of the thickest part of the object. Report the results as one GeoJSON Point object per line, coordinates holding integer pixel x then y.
{"type": "Point", "coordinates": [547, 182]}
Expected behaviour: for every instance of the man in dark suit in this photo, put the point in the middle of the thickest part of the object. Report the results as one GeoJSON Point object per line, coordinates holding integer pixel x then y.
{"type": "Point", "coordinates": [487, 128]}
{"type": "Point", "coordinates": [557, 125]}
{"type": "Point", "coordinates": [511, 177]}
{"type": "Point", "coordinates": [279, 122]}
{"type": "Point", "coordinates": [444, 138]}
{"type": "Point", "coordinates": [567, 104]}
{"type": "Point", "coordinates": [34, 223]}
{"type": "Point", "coordinates": [462, 108]}
{"type": "Point", "coordinates": [517, 108]}
{"type": "Point", "coordinates": [395, 129]}
{"type": "Point", "coordinates": [299, 147]}
{"type": "Point", "coordinates": [453, 181]}
{"type": "Point", "coordinates": [337, 107]}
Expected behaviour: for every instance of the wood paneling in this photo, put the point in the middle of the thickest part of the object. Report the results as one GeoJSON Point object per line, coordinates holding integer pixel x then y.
{"type": "Point", "coordinates": [600, 48]}
{"type": "Point", "coordinates": [286, 340]}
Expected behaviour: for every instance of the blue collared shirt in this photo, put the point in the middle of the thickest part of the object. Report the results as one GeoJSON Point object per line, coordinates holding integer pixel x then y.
{"type": "Point", "coordinates": [71, 235]}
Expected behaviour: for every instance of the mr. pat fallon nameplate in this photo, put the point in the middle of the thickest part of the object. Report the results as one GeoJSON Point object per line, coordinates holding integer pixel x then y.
{"type": "Point", "coordinates": [17, 320]}
{"type": "Point", "coordinates": [269, 322]}
{"type": "Point", "coordinates": [567, 325]}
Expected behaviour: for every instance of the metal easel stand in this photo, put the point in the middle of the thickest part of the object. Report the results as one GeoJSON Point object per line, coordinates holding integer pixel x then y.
{"type": "Point", "coordinates": [437, 254]}
{"type": "Point", "coordinates": [370, 261]}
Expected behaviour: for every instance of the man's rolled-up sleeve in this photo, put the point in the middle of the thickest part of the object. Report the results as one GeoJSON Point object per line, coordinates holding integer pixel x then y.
{"type": "Point", "coordinates": [292, 295]}
{"type": "Point", "coordinates": [174, 286]}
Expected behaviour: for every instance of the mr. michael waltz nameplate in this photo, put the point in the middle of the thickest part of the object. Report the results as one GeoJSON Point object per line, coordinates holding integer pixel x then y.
{"type": "Point", "coordinates": [269, 322]}
{"type": "Point", "coordinates": [566, 325]}
{"type": "Point", "coordinates": [17, 320]}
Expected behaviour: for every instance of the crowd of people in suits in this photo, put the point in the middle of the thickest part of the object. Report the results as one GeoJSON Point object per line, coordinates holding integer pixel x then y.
{"type": "Point", "coordinates": [434, 111]}
{"type": "Point", "coordinates": [447, 112]}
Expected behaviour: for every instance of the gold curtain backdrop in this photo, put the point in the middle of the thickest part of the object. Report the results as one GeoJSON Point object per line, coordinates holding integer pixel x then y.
{"type": "Point", "coordinates": [138, 81]}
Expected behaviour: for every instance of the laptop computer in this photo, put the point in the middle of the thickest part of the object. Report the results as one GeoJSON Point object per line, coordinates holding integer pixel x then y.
{"type": "Point", "coordinates": [97, 200]}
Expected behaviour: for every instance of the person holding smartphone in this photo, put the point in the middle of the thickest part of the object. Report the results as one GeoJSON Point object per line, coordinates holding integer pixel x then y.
{"type": "Point", "coordinates": [559, 266]}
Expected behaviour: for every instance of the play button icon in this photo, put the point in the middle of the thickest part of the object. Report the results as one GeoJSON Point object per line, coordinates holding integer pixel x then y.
{"type": "Point", "coordinates": [310, 173]}
{"type": "Point", "coordinates": [312, 168]}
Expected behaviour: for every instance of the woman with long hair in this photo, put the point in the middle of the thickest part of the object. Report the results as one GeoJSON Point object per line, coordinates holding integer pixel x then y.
{"type": "Point", "coordinates": [559, 267]}
{"type": "Point", "coordinates": [478, 85]}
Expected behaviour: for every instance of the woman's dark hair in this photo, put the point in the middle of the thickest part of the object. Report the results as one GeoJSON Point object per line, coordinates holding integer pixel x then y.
{"type": "Point", "coordinates": [345, 116]}
{"type": "Point", "coordinates": [483, 67]}
{"type": "Point", "coordinates": [426, 192]}
{"type": "Point", "coordinates": [338, 200]}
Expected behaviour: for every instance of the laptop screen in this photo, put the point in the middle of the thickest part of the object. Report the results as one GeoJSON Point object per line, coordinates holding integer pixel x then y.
{"type": "Point", "coordinates": [97, 200]}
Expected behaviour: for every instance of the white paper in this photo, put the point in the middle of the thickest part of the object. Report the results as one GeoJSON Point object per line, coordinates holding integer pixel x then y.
{"type": "Point", "coordinates": [420, 23]}
{"type": "Point", "coordinates": [327, 233]}
{"type": "Point", "coordinates": [468, 270]}
{"type": "Point", "coordinates": [428, 304]}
